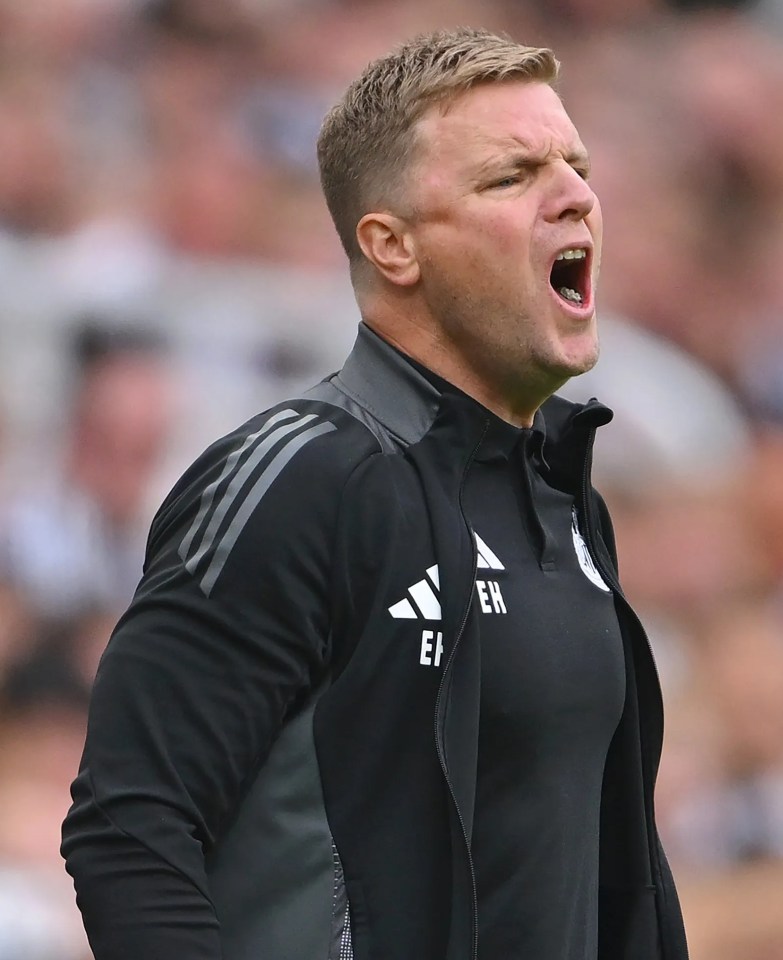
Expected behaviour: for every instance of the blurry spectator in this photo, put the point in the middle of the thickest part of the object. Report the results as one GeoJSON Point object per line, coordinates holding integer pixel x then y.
{"type": "Point", "coordinates": [40, 743]}
{"type": "Point", "coordinates": [735, 813]}
{"type": "Point", "coordinates": [75, 538]}
{"type": "Point", "coordinates": [763, 474]}
{"type": "Point", "coordinates": [686, 549]}
{"type": "Point", "coordinates": [58, 659]}
{"type": "Point", "coordinates": [34, 185]}
{"type": "Point", "coordinates": [17, 626]}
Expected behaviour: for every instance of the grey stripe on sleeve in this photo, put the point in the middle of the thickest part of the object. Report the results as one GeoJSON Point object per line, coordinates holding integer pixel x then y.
{"type": "Point", "coordinates": [240, 478]}
{"type": "Point", "coordinates": [210, 492]}
{"type": "Point", "coordinates": [253, 498]}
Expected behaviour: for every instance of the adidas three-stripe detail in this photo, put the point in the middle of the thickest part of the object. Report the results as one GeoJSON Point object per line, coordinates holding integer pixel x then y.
{"type": "Point", "coordinates": [240, 487]}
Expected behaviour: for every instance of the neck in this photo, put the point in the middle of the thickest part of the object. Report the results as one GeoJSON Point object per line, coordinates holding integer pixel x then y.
{"type": "Point", "coordinates": [419, 343]}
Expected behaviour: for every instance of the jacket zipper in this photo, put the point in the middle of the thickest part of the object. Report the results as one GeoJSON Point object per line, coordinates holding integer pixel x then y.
{"type": "Point", "coordinates": [446, 669]}
{"type": "Point", "coordinates": [617, 589]}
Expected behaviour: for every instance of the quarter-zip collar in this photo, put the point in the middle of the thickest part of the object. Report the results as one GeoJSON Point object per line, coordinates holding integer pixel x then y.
{"type": "Point", "coordinates": [405, 401]}
{"type": "Point", "coordinates": [391, 389]}
{"type": "Point", "coordinates": [571, 429]}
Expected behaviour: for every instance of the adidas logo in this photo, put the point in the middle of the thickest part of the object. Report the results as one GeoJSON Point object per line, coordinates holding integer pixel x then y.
{"type": "Point", "coordinates": [424, 596]}
{"type": "Point", "coordinates": [486, 558]}
{"type": "Point", "coordinates": [423, 601]}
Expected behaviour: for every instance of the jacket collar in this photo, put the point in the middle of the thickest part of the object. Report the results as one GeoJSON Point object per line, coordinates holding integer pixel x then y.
{"type": "Point", "coordinates": [406, 403]}
{"type": "Point", "coordinates": [382, 381]}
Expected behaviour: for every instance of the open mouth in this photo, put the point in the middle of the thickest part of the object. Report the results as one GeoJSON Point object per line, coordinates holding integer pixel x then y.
{"type": "Point", "coordinates": [570, 275]}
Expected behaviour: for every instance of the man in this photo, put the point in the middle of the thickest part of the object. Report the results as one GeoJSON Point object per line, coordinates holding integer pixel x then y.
{"type": "Point", "coordinates": [379, 693]}
{"type": "Point", "coordinates": [72, 540]}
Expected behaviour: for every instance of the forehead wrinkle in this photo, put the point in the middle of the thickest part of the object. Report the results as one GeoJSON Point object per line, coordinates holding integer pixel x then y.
{"type": "Point", "coordinates": [573, 153]}
{"type": "Point", "coordinates": [502, 151]}
{"type": "Point", "coordinates": [506, 152]}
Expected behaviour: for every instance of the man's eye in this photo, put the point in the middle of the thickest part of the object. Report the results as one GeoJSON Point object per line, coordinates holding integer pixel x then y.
{"type": "Point", "coordinates": [507, 181]}
{"type": "Point", "coordinates": [583, 172]}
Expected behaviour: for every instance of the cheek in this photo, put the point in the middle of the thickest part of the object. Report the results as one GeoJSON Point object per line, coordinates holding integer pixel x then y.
{"type": "Point", "coordinates": [495, 243]}
{"type": "Point", "coordinates": [500, 239]}
{"type": "Point", "coordinates": [595, 224]}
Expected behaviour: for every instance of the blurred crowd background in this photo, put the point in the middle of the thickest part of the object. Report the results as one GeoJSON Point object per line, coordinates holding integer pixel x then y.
{"type": "Point", "coordinates": [168, 268]}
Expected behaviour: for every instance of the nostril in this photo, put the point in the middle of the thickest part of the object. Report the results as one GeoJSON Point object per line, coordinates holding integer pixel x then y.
{"type": "Point", "coordinates": [577, 211]}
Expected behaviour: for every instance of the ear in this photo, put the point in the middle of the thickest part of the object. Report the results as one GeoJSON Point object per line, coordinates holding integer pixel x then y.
{"type": "Point", "coordinates": [386, 242]}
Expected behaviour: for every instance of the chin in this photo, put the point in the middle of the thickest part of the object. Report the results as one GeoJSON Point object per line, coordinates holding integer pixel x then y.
{"type": "Point", "coordinates": [580, 357]}
{"type": "Point", "coordinates": [586, 363]}
{"type": "Point", "coordinates": [559, 373]}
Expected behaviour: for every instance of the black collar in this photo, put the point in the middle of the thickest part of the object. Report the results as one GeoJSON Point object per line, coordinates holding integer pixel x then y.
{"type": "Point", "coordinates": [389, 387]}
{"type": "Point", "coordinates": [405, 397]}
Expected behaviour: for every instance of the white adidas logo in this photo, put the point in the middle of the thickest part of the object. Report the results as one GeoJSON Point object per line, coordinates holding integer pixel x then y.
{"type": "Point", "coordinates": [487, 560]}
{"type": "Point", "coordinates": [425, 598]}
{"type": "Point", "coordinates": [424, 602]}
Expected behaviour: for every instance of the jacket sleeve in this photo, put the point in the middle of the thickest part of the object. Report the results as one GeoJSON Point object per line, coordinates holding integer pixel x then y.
{"type": "Point", "coordinates": [228, 630]}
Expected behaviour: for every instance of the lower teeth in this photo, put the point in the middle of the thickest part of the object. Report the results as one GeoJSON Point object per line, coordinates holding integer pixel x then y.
{"type": "Point", "coordinates": [568, 294]}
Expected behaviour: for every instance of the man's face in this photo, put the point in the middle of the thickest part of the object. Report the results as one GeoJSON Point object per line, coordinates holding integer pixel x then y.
{"type": "Point", "coordinates": [507, 233]}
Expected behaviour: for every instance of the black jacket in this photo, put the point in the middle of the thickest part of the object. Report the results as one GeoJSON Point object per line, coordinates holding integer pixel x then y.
{"type": "Point", "coordinates": [269, 771]}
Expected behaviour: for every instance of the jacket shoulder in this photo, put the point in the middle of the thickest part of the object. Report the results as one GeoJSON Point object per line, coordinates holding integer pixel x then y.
{"type": "Point", "coordinates": [294, 457]}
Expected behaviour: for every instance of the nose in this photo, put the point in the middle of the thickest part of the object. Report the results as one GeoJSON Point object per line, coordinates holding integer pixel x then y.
{"type": "Point", "coordinates": [572, 197]}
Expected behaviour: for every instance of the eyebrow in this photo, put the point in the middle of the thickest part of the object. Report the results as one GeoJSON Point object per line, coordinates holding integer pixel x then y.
{"type": "Point", "coordinates": [532, 158]}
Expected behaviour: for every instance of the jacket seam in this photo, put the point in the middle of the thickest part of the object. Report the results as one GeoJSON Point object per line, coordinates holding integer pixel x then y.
{"type": "Point", "coordinates": [339, 384]}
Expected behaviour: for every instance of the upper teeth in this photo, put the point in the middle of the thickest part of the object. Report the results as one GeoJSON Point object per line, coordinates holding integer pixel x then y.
{"type": "Point", "coordinates": [575, 253]}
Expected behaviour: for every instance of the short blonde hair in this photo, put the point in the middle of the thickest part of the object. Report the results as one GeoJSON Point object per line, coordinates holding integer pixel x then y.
{"type": "Point", "coordinates": [367, 138]}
